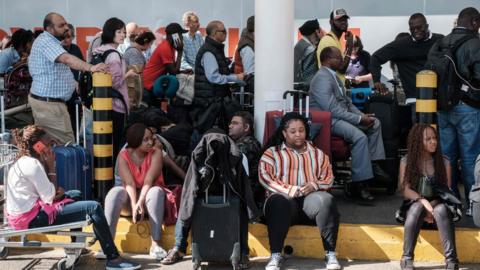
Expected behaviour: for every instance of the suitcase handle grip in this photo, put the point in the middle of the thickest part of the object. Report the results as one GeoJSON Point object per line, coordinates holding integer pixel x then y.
{"type": "Point", "coordinates": [224, 194]}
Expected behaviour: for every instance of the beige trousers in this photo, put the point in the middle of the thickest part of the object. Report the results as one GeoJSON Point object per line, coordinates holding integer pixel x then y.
{"type": "Point", "coordinates": [53, 117]}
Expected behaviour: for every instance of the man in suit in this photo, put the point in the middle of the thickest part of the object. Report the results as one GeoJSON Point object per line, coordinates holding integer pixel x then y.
{"type": "Point", "coordinates": [362, 131]}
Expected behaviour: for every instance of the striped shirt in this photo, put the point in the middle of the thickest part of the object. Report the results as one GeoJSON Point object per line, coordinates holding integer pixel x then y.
{"type": "Point", "coordinates": [50, 78]}
{"type": "Point", "coordinates": [191, 45]}
{"type": "Point", "coordinates": [284, 170]}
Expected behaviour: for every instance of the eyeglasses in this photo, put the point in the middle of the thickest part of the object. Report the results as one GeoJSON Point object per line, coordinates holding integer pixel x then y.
{"type": "Point", "coordinates": [222, 31]}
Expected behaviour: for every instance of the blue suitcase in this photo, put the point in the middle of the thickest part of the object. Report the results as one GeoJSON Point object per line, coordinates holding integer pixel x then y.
{"type": "Point", "coordinates": [74, 166]}
{"type": "Point", "coordinates": [74, 170]}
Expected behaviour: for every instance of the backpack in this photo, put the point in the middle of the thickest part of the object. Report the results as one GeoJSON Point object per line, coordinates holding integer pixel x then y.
{"type": "Point", "coordinates": [85, 81]}
{"type": "Point", "coordinates": [442, 60]}
{"type": "Point", "coordinates": [17, 82]}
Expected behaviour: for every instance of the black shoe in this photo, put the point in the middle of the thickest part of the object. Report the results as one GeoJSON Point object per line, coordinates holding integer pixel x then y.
{"type": "Point", "coordinates": [406, 264]}
{"type": "Point", "coordinates": [364, 197]}
{"type": "Point", "coordinates": [379, 174]}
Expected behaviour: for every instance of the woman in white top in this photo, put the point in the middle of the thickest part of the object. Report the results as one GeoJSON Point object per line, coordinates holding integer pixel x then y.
{"type": "Point", "coordinates": [33, 200]}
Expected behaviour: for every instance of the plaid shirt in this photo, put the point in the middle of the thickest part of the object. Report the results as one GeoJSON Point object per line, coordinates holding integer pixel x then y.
{"type": "Point", "coordinates": [50, 78]}
{"type": "Point", "coordinates": [190, 50]}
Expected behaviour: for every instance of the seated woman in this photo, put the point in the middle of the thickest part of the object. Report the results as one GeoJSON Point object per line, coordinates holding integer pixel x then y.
{"type": "Point", "coordinates": [423, 168]}
{"type": "Point", "coordinates": [296, 176]}
{"type": "Point", "coordinates": [140, 168]}
{"type": "Point", "coordinates": [34, 200]}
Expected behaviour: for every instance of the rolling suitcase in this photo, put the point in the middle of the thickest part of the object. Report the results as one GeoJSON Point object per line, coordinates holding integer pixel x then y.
{"type": "Point", "coordinates": [219, 229]}
{"type": "Point", "coordinates": [74, 166]}
{"type": "Point", "coordinates": [385, 108]}
{"type": "Point", "coordinates": [320, 121]}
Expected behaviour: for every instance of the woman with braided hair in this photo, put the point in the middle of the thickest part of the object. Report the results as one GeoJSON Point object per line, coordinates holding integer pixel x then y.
{"type": "Point", "coordinates": [422, 172]}
{"type": "Point", "coordinates": [35, 201]}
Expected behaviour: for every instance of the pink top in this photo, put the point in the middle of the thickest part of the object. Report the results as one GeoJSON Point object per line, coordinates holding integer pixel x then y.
{"type": "Point", "coordinates": [22, 221]}
{"type": "Point", "coordinates": [139, 173]}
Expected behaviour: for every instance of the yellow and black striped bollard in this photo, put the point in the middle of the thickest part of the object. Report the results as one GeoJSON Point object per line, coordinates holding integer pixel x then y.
{"type": "Point", "coordinates": [426, 106]}
{"type": "Point", "coordinates": [102, 134]}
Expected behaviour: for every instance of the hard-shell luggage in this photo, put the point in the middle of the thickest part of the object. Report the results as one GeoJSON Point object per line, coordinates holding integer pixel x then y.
{"type": "Point", "coordinates": [219, 229]}
{"type": "Point", "coordinates": [74, 166]}
{"type": "Point", "coordinates": [320, 121]}
{"type": "Point", "coordinates": [385, 108]}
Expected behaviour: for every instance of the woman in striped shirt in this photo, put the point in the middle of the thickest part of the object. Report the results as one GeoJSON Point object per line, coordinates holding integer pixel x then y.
{"type": "Point", "coordinates": [296, 176]}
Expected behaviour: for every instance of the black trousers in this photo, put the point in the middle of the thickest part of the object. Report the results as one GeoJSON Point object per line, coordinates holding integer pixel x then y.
{"type": "Point", "coordinates": [413, 223]}
{"type": "Point", "coordinates": [281, 212]}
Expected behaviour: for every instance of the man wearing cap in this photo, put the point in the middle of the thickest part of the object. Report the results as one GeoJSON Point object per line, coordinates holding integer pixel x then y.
{"type": "Point", "coordinates": [163, 59]}
{"type": "Point", "coordinates": [305, 58]}
{"type": "Point", "coordinates": [339, 25]}
{"type": "Point", "coordinates": [212, 103]}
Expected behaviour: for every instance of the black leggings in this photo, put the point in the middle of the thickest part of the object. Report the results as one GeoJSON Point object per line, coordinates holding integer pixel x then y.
{"type": "Point", "coordinates": [281, 212]}
{"type": "Point", "coordinates": [415, 215]}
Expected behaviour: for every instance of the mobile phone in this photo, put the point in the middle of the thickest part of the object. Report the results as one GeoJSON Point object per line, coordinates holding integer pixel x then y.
{"type": "Point", "coordinates": [176, 39]}
{"type": "Point", "coordinates": [39, 147]}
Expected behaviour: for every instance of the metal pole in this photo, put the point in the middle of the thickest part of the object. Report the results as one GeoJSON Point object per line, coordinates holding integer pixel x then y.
{"type": "Point", "coordinates": [102, 134]}
{"type": "Point", "coordinates": [426, 105]}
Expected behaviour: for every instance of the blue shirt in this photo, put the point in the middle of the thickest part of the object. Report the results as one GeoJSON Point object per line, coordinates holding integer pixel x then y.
{"type": "Point", "coordinates": [8, 57]}
{"type": "Point", "coordinates": [210, 65]}
{"type": "Point", "coordinates": [50, 78]}
{"type": "Point", "coordinates": [191, 45]}
{"type": "Point", "coordinates": [248, 60]}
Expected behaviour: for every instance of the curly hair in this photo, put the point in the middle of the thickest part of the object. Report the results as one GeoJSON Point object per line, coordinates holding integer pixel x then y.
{"type": "Point", "coordinates": [25, 138]}
{"type": "Point", "coordinates": [415, 149]}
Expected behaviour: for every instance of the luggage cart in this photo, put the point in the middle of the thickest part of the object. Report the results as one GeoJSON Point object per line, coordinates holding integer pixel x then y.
{"type": "Point", "coordinates": [73, 250]}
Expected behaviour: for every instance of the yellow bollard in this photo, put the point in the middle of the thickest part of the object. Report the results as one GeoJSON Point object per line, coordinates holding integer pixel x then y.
{"type": "Point", "coordinates": [102, 134]}
{"type": "Point", "coordinates": [426, 106]}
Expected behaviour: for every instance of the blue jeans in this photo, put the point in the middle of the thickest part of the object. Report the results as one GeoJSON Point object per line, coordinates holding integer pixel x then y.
{"type": "Point", "coordinates": [460, 139]}
{"type": "Point", "coordinates": [181, 235]}
{"type": "Point", "coordinates": [77, 211]}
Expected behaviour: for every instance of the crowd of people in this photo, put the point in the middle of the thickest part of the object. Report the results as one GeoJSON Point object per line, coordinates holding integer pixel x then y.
{"type": "Point", "coordinates": [290, 178]}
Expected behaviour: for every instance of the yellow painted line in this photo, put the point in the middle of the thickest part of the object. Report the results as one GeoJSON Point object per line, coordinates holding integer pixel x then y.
{"type": "Point", "coordinates": [427, 79]}
{"type": "Point", "coordinates": [100, 79]}
{"type": "Point", "coordinates": [102, 104]}
{"type": "Point", "coordinates": [103, 174]}
{"type": "Point", "coordinates": [426, 105]}
{"type": "Point", "coordinates": [102, 127]}
{"type": "Point", "coordinates": [102, 150]}
{"type": "Point", "coordinates": [355, 241]}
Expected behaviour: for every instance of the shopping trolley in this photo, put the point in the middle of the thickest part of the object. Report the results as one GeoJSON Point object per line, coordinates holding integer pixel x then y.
{"type": "Point", "coordinates": [9, 237]}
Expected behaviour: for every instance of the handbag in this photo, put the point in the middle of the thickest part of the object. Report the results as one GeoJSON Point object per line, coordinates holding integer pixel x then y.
{"type": "Point", "coordinates": [172, 204]}
{"type": "Point", "coordinates": [425, 187]}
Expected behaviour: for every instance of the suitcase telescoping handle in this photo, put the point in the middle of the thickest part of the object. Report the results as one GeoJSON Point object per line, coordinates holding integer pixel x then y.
{"type": "Point", "coordinates": [301, 94]}
{"type": "Point", "coordinates": [78, 104]}
{"type": "Point", "coordinates": [224, 194]}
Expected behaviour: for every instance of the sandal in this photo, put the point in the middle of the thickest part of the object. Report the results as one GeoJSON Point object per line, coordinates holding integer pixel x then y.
{"type": "Point", "coordinates": [173, 256]}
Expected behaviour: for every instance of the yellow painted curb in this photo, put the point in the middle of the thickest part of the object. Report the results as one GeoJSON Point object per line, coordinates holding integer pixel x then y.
{"type": "Point", "coordinates": [355, 241]}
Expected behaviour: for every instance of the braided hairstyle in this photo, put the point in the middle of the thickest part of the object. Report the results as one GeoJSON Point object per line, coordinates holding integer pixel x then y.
{"type": "Point", "coordinates": [25, 138]}
{"type": "Point", "coordinates": [414, 158]}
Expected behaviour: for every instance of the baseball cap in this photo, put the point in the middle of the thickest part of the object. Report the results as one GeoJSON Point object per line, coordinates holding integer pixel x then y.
{"type": "Point", "coordinates": [174, 28]}
{"type": "Point", "coordinates": [338, 13]}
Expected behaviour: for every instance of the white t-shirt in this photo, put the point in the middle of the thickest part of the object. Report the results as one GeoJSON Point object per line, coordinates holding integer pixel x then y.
{"type": "Point", "coordinates": [27, 182]}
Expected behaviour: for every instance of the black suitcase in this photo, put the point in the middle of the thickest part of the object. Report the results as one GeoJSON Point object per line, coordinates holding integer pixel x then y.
{"type": "Point", "coordinates": [385, 108]}
{"type": "Point", "coordinates": [219, 230]}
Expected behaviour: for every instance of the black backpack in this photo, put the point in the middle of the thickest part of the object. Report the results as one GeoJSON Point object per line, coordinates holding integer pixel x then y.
{"type": "Point", "coordinates": [85, 82]}
{"type": "Point", "coordinates": [443, 61]}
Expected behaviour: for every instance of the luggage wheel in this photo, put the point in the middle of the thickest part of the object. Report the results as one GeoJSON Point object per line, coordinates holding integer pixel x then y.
{"type": "Point", "coordinates": [3, 253]}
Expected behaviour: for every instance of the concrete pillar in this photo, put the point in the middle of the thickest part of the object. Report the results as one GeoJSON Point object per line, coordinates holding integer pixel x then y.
{"type": "Point", "coordinates": [274, 30]}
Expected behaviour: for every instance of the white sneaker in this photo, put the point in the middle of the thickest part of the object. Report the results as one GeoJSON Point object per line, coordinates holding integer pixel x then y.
{"type": "Point", "coordinates": [275, 262]}
{"type": "Point", "coordinates": [331, 261]}
{"type": "Point", "coordinates": [100, 255]}
{"type": "Point", "coordinates": [157, 252]}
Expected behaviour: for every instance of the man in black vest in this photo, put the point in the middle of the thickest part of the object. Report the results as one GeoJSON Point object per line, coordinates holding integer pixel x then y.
{"type": "Point", "coordinates": [212, 102]}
